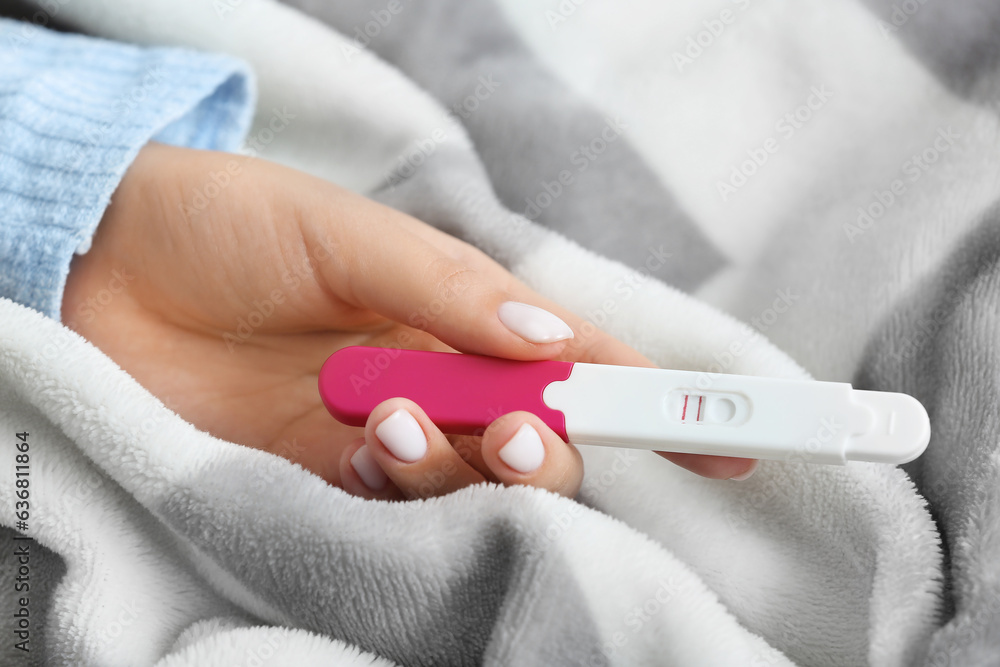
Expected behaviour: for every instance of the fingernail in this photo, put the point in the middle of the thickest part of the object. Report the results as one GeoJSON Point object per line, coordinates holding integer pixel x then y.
{"type": "Point", "coordinates": [402, 435]}
{"type": "Point", "coordinates": [368, 469]}
{"type": "Point", "coordinates": [532, 323]}
{"type": "Point", "coordinates": [747, 474]}
{"type": "Point", "coordinates": [525, 451]}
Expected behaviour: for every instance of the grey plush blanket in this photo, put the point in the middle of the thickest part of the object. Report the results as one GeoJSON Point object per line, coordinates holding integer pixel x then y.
{"type": "Point", "coordinates": [826, 174]}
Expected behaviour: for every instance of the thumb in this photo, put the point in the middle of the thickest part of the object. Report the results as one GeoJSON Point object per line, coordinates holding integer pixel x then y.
{"type": "Point", "coordinates": [456, 296]}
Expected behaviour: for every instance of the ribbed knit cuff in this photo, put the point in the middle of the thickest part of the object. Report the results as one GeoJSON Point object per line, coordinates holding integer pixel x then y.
{"type": "Point", "coordinates": [74, 112]}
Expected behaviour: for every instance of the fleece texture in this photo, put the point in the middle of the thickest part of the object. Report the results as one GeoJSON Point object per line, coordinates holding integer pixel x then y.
{"type": "Point", "coordinates": [213, 548]}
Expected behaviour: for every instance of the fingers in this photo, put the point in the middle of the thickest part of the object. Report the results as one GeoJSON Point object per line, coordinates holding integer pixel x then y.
{"type": "Point", "coordinates": [406, 271]}
{"type": "Point", "coordinates": [589, 343]}
{"type": "Point", "coordinates": [714, 467]}
{"type": "Point", "coordinates": [411, 451]}
{"type": "Point", "coordinates": [404, 455]}
{"type": "Point", "coordinates": [389, 269]}
{"type": "Point", "coordinates": [361, 475]}
{"type": "Point", "coordinates": [520, 449]}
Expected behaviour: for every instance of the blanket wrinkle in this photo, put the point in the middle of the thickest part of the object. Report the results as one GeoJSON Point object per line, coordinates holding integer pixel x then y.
{"type": "Point", "coordinates": [802, 564]}
{"type": "Point", "coordinates": [958, 41]}
{"type": "Point", "coordinates": [951, 322]}
{"type": "Point", "coordinates": [550, 156]}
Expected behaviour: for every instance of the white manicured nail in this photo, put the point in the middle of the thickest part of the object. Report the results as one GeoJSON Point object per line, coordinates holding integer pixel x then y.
{"type": "Point", "coordinates": [532, 323]}
{"type": "Point", "coordinates": [742, 477]}
{"type": "Point", "coordinates": [368, 469]}
{"type": "Point", "coordinates": [402, 435]}
{"type": "Point", "coordinates": [525, 451]}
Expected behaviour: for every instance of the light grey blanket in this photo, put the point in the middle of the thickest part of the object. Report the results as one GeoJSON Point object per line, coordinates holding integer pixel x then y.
{"type": "Point", "coordinates": [724, 147]}
{"type": "Point", "coordinates": [898, 280]}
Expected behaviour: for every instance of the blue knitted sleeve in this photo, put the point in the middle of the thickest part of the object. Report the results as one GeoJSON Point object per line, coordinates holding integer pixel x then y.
{"type": "Point", "coordinates": [74, 112]}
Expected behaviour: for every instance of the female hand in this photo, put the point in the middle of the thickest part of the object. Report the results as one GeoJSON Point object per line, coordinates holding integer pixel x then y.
{"type": "Point", "coordinates": [222, 284]}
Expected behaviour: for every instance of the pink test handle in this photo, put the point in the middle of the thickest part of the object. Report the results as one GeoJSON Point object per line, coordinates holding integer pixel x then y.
{"type": "Point", "coordinates": [461, 393]}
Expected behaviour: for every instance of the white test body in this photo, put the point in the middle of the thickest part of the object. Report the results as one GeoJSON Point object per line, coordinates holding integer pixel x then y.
{"type": "Point", "coordinates": [738, 415]}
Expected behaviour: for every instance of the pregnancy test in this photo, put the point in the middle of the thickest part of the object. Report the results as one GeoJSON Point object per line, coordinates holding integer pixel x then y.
{"type": "Point", "coordinates": [641, 408]}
